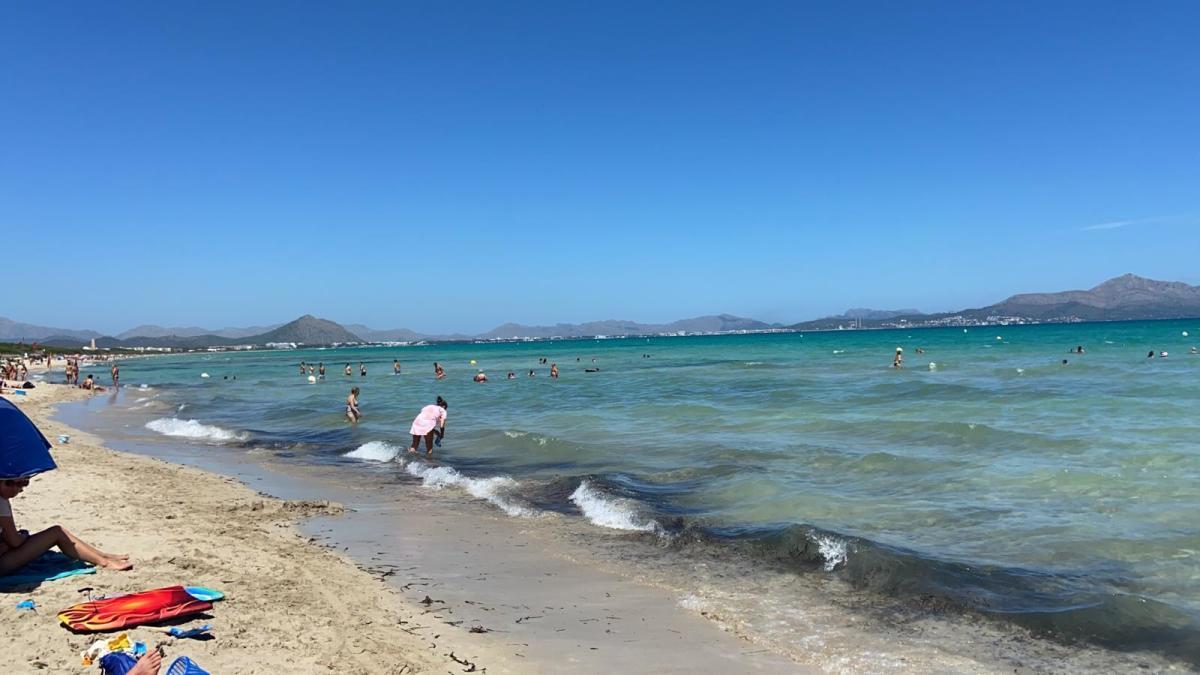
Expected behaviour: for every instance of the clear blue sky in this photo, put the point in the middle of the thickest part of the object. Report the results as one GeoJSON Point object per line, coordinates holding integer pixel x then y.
{"type": "Point", "coordinates": [450, 166]}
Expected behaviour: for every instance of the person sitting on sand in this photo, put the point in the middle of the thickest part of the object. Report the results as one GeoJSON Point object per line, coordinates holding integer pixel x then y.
{"type": "Point", "coordinates": [429, 422]}
{"type": "Point", "coordinates": [352, 412]}
{"type": "Point", "coordinates": [18, 548]}
{"type": "Point", "coordinates": [90, 384]}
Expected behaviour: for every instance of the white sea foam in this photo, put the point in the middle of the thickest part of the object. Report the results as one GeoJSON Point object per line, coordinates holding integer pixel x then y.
{"type": "Point", "coordinates": [141, 398]}
{"type": "Point", "coordinates": [693, 602]}
{"type": "Point", "coordinates": [173, 426]}
{"type": "Point", "coordinates": [608, 511]}
{"type": "Point", "coordinates": [495, 489]}
{"type": "Point", "coordinates": [375, 451]}
{"type": "Point", "coordinates": [181, 407]}
{"type": "Point", "coordinates": [833, 550]}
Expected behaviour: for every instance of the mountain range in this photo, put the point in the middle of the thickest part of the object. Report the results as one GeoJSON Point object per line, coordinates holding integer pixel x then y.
{"type": "Point", "coordinates": [1127, 297]}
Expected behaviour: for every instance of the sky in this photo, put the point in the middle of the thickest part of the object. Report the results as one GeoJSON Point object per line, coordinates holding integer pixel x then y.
{"type": "Point", "coordinates": [447, 167]}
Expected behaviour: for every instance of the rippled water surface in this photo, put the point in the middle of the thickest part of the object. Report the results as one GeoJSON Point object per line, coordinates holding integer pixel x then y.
{"type": "Point", "coordinates": [985, 473]}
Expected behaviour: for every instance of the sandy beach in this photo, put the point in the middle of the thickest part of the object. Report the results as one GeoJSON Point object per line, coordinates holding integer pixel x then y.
{"type": "Point", "coordinates": [290, 605]}
{"type": "Point", "coordinates": [295, 601]}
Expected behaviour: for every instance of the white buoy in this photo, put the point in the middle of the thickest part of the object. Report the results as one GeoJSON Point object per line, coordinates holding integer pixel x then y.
{"type": "Point", "coordinates": [1185, 333]}
{"type": "Point", "coordinates": [932, 365]}
{"type": "Point", "coordinates": [312, 379]}
{"type": "Point", "coordinates": [204, 375]}
{"type": "Point", "coordinates": [999, 338]}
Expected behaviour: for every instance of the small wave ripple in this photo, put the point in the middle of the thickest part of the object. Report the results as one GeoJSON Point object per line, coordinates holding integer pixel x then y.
{"type": "Point", "coordinates": [618, 513]}
{"type": "Point", "coordinates": [497, 490]}
{"type": "Point", "coordinates": [173, 426]}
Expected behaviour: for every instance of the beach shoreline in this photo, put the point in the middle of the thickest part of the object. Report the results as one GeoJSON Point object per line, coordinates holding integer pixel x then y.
{"type": "Point", "coordinates": [290, 605]}
{"type": "Point", "coordinates": [297, 601]}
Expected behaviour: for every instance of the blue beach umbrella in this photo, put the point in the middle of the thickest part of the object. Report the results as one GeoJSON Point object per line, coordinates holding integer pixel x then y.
{"type": "Point", "coordinates": [24, 451]}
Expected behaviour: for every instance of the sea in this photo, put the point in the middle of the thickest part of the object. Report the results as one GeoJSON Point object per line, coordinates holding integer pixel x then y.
{"type": "Point", "coordinates": [1001, 483]}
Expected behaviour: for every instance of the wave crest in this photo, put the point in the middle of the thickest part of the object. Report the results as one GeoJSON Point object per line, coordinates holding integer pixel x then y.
{"type": "Point", "coordinates": [173, 426]}
{"type": "Point", "coordinates": [375, 451]}
{"type": "Point", "coordinates": [496, 490]}
{"type": "Point", "coordinates": [617, 513]}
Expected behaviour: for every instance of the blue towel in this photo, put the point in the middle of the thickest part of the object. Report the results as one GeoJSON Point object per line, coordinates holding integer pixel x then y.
{"type": "Point", "coordinates": [50, 566]}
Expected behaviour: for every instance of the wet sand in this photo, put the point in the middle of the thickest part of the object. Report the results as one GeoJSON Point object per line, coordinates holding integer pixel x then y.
{"type": "Point", "coordinates": [464, 595]}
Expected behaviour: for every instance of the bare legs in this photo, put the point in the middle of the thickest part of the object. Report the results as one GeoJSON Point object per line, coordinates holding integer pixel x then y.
{"type": "Point", "coordinates": [416, 441]}
{"type": "Point", "coordinates": [66, 542]}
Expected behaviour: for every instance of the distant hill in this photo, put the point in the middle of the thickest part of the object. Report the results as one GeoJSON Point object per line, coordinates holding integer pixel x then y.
{"type": "Point", "coordinates": [700, 324]}
{"type": "Point", "coordinates": [13, 331]}
{"type": "Point", "coordinates": [1127, 297]}
{"type": "Point", "coordinates": [308, 330]}
{"type": "Point", "coordinates": [863, 313]}
{"type": "Point", "coordinates": [1124, 298]}
{"type": "Point", "coordinates": [193, 331]}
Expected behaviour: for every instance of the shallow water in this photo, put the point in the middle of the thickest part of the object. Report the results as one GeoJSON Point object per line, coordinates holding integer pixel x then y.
{"type": "Point", "coordinates": [997, 482]}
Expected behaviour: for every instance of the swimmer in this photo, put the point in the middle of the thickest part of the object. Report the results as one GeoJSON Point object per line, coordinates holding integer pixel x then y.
{"type": "Point", "coordinates": [480, 377]}
{"type": "Point", "coordinates": [511, 375]}
{"type": "Point", "coordinates": [1064, 362]}
{"type": "Point", "coordinates": [898, 360]}
{"type": "Point", "coordinates": [1150, 355]}
{"type": "Point", "coordinates": [554, 370]}
{"type": "Point", "coordinates": [352, 412]}
{"type": "Point", "coordinates": [438, 371]}
{"type": "Point", "coordinates": [395, 366]}
{"type": "Point", "coordinates": [1079, 349]}
{"type": "Point", "coordinates": [430, 422]}
{"type": "Point", "coordinates": [532, 374]}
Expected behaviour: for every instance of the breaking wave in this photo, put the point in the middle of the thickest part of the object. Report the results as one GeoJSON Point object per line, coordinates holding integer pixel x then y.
{"type": "Point", "coordinates": [173, 426]}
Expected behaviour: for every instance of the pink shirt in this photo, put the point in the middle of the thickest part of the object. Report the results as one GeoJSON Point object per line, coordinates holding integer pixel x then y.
{"type": "Point", "coordinates": [431, 416]}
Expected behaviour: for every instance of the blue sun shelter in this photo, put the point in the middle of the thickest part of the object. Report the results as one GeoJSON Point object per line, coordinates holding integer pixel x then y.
{"type": "Point", "coordinates": [24, 451]}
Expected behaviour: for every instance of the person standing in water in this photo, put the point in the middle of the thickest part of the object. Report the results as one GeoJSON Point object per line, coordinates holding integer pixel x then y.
{"type": "Point", "coordinates": [430, 422]}
{"type": "Point", "coordinates": [438, 371]}
{"type": "Point", "coordinates": [898, 360]}
{"type": "Point", "coordinates": [554, 370]}
{"type": "Point", "coordinates": [395, 366]}
{"type": "Point", "coordinates": [116, 374]}
{"type": "Point", "coordinates": [362, 370]}
{"type": "Point", "coordinates": [348, 370]}
{"type": "Point", "coordinates": [321, 370]}
{"type": "Point", "coordinates": [352, 412]}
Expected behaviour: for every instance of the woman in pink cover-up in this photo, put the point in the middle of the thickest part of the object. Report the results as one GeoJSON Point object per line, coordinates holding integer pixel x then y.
{"type": "Point", "coordinates": [430, 422]}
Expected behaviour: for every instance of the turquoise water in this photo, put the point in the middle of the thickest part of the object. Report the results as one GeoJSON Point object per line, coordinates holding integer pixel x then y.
{"type": "Point", "coordinates": [985, 473]}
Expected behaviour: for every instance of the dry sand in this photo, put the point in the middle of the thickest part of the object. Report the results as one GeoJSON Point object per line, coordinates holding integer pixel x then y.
{"type": "Point", "coordinates": [291, 606]}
